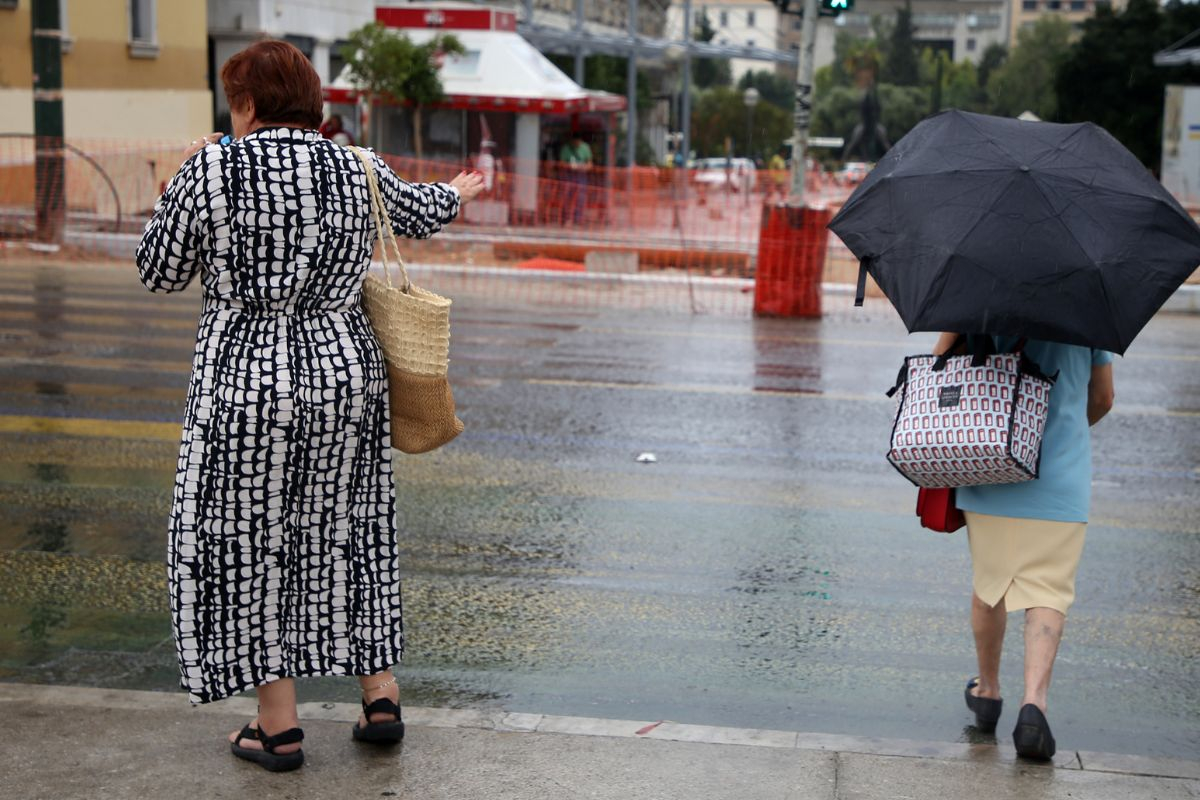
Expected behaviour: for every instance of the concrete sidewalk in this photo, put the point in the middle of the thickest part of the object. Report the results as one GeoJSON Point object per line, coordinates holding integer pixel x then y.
{"type": "Point", "coordinates": [65, 742]}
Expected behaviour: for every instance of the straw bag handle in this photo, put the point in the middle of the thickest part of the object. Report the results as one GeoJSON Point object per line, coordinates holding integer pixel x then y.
{"type": "Point", "coordinates": [383, 223]}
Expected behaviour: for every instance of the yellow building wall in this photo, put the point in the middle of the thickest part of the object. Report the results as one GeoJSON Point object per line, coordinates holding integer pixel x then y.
{"type": "Point", "coordinates": [108, 93]}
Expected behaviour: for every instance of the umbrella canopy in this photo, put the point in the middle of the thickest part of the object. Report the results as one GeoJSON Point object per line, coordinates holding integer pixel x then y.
{"type": "Point", "coordinates": [980, 224]}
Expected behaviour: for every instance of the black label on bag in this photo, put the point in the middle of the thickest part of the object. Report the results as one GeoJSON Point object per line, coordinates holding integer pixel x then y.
{"type": "Point", "coordinates": [949, 396]}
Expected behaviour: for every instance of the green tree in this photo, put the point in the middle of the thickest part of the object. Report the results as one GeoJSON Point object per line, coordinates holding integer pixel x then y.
{"type": "Point", "coordinates": [838, 111]}
{"type": "Point", "coordinates": [709, 72]}
{"type": "Point", "coordinates": [952, 84]}
{"type": "Point", "coordinates": [1025, 82]}
{"type": "Point", "coordinates": [772, 87]}
{"type": "Point", "coordinates": [992, 59]}
{"type": "Point", "coordinates": [1114, 59]}
{"type": "Point", "coordinates": [720, 113]}
{"type": "Point", "coordinates": [389, 67]}
{"type": "Point", "coordinates": [607, 74]}
{"type": "Point", "coordinates": [901, 108]}
{"type": "Point", "coordinates": [901, 67]}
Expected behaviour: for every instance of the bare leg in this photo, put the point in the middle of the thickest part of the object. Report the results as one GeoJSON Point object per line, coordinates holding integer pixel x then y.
{"type": "Point", "coordinates": [989, 625]}
{"type": "Point", "coordinates": [276, 714]}
{"type": "Point", "coordinates": [371, 692]}
{"type": "Point", "coordinates": [1043, 632]}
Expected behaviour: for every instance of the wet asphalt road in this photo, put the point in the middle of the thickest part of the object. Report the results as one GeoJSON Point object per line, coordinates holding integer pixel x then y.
{"type": "Point", "coordinates": [765, 572]}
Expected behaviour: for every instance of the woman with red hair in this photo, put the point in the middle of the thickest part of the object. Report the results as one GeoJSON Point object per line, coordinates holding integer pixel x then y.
{"type": "Point", "coordinates": [283, 554]}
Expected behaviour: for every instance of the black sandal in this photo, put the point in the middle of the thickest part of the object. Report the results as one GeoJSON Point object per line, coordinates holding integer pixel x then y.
{"type": "Point", "coordinates": [380, 732]}
{"type": "Point", "coordinates": [1032, 736]}
{"type": "Point", "coordinates": [987, 710]}
{"type": "Point", "coordinates": [267, 758]}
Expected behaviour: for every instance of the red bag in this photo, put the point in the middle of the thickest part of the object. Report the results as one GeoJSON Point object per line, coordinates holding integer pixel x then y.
{"type": "Point", "coordinates": [937, 510]}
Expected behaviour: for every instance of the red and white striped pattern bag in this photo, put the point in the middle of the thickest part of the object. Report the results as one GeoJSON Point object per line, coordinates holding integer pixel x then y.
{"type": "Point", "coordinates": [969, 420]}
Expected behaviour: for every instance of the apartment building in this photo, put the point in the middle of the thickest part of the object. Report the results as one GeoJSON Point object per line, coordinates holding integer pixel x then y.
{"type": "Point", "coordinates": [1024, 13]}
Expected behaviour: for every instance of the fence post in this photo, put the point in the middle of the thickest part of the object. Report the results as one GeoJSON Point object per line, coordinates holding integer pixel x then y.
{"type": "Point", "coordinates": [49, 179]}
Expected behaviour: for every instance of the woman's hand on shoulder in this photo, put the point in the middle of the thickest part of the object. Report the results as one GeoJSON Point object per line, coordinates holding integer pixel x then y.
{"type": "Point", "coordinates": [199, 144]}
{"type": "Point", "coordinates": [469, 185]}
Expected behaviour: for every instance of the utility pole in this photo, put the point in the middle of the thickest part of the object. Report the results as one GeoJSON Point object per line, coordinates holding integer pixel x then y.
{"type": "Point", "coordinates": [685, 126]}
{"type": "Point", "coordinates": [631, 82]}
{"type": "Point", "coordinates": [49, 199]}
{"type": "Point", "coordinates": [802, 116]}
{"type": "Point", "coordinates": [579, 54]}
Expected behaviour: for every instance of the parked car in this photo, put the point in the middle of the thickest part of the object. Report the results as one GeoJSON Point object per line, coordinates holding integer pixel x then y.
{"type": "Point", "coordinates": [853, 172]}
{"type": "Point", "coordinates": [725, 174]}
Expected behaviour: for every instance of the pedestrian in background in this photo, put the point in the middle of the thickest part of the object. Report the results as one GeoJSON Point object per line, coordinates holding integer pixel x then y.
{"type": "Point", "coordinates": [578, 157]}
{"type": "Point", "coordinates": [1026, 539]}
{"type": "Point", "coordinates": [334, 129]}
{"type": "Point", "coordinates": [283, 554]}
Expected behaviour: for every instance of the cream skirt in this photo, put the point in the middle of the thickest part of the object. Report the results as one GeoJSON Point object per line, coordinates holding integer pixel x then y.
{"type": "Point", "coordinates": [1027, 563]}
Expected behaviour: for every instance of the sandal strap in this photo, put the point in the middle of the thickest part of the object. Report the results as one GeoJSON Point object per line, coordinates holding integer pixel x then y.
{"type": "Point", "coordinates": [290, 736]}
{"type": "Point", "coordinates": [247, 733]}
{"type": "Point", "coordinates": [383, 705]}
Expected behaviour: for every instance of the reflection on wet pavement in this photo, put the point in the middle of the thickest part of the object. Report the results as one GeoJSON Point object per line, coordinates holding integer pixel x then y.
{"type": "Point", "coordinates": [765, 572]}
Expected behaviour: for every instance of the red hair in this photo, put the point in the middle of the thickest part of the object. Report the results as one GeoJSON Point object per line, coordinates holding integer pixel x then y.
{"type": "Point", "coordinates": [280, 81]}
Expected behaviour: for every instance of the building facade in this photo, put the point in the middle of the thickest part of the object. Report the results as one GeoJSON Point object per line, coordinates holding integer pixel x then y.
{"type": "Point", "coordinates": [318, 29]}
{"type": "Point", "coordinates": [607, 16]}
{"type": "Point", "coordinates": [962, 28]}
{"type": "Point", "coordinates": [749, 23]}
{"type": "Point", "coordinates": [132, 69]}
{"type": "Point", "coordinates": [1024, 13]}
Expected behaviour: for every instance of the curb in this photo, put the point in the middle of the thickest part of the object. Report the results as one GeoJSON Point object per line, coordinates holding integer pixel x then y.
{"type": "Point", "coordinates": [501, 721]}
{"type": "Point", "coordinates": [1185, 300]}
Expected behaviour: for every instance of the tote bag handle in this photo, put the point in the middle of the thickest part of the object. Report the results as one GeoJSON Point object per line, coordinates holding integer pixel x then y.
{"type": "Point", "coordinates": [383, 223]}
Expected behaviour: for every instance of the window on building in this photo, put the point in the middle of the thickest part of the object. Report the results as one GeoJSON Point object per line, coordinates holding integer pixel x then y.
{"type": "Point", "coordinates": [970, 45]}
{"type": "Point", "coordinates": [305, 44]}
{"type": "Point", "coordinates": [1029, 5]}
{"type": "Point", "coordinates": [749, 19]}
{"type": "Point", "coordinates": [8, 4]}
{"type": "Point", "coordinates": [723, 19]}
{"type": "Point", "coordinates": [1079, 5]}
{"type": "Point", "coordinates": [143, 28]}
{"type": "Point", "coordinates": [1054, 5]}
{"type": "Point", "coordinates": [336, 61]}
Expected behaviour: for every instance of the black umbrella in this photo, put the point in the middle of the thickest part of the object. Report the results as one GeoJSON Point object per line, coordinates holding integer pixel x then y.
{"type": "Point", "coordinates": [981, 224]}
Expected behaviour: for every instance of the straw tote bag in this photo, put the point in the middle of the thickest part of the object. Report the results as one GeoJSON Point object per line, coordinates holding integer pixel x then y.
{"type": "Point", "coordinates": [413, 329]}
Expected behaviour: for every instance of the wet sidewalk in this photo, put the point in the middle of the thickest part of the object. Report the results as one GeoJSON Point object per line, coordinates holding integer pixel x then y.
{"type": "Point", "coordinates": [66, 742]}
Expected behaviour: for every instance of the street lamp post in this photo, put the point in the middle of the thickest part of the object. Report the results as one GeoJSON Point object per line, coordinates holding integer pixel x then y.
{"type": "Point", "coordinates": [750, 98]}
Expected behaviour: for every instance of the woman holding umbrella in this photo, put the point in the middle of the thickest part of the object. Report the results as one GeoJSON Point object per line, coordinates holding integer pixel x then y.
{"type": "Point", "coordinates": [1015, 230]}
{"type": "Point", "coordinates": [1026, 539]}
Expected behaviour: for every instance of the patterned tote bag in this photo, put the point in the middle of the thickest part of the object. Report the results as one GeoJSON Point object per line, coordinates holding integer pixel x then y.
{"type": "Point", "coordinates": [969, 420]}
{"type": "Point", "coordinates": [413, 329]}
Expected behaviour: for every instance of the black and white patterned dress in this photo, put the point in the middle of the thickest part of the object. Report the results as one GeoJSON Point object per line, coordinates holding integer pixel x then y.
{"type": "Point", "coordinates": [283, 559]}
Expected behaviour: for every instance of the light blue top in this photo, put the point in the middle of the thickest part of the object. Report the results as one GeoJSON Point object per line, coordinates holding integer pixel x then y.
{"type": "Point", "coordinates": [1062, 492]}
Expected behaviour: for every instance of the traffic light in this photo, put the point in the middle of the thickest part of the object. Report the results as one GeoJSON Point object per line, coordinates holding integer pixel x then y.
{"type": "Point", "coordinates": [832, 8]}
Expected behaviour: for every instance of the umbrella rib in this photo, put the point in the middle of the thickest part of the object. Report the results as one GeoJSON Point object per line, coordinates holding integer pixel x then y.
{"type": "Point", "coordinates": [940, 278]}
{"type": "Point", "coordinates": [994, 143]}
{"type": "Point", "coordinates": [1094, 269]}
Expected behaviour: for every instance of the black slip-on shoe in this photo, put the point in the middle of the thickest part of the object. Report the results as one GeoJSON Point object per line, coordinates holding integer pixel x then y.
{"type": "Point", "coordinates": [1032, 736]}
{"type": "Point", "coordinates": [987, 710]}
